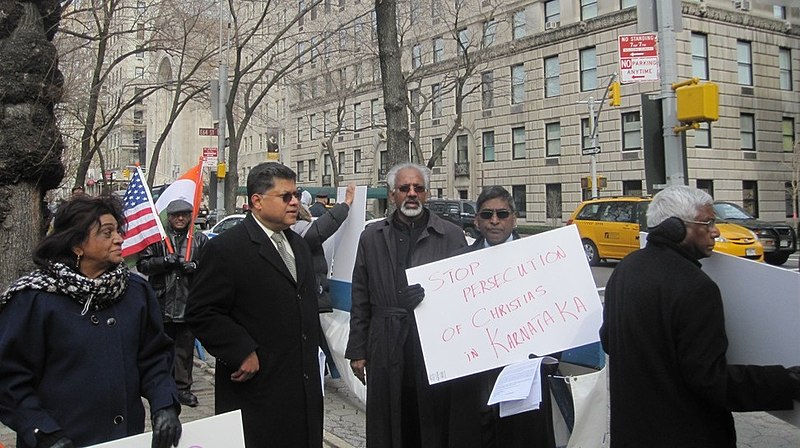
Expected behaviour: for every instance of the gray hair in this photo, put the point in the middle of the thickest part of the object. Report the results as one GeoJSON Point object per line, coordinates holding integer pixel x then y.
{"type": "Point", "coordinates": [679, 201]}
{"type": "Point", "coordinates": [392, 175]}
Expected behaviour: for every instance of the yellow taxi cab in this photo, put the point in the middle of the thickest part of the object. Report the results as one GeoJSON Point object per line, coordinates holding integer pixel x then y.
{"type": "Point", "coordinates": [609, 229]}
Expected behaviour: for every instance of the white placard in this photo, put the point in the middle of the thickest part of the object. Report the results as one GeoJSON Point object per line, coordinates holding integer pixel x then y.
{"type": "Point", "coordinates": [762, 309]}
{"type": "Point", "coordinates": [340, 250]}
{"type": "Point", "coordinates": [495, 306]}
{"type": "Point", "coordinates": [219, 431]}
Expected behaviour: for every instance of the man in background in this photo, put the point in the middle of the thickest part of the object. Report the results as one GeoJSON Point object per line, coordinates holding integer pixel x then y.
{"type": "Point", "coordinates": [170, 275]}
{"type": "Point", "coordinates": [318, 208]}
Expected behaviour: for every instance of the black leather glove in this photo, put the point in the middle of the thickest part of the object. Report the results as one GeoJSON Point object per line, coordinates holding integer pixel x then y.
{"type": "Point", "coordinates": [188, 267]}
{"type": "Point", "coordinates": [171, 261]}
{"type": "Point", "coordinates": [166, 428]}
{"type": "Point", "coordinates": [412, 296]}
{"type": "Point", "coordinates": [53, 440]}
{"type": "Point", "coordinates": [794, 378]}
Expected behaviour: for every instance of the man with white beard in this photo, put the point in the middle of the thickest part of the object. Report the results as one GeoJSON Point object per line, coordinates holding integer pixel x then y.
{"type": "Point", "coordinates": [403, 411]}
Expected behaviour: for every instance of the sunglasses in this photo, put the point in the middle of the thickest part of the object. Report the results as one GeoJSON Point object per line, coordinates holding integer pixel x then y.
{"type": "Point", "coordinates": [286, 197]}
{"type": "Point", "coordinates": [406, 188]}
{"type": "Point", "coordinates": [501, 213]}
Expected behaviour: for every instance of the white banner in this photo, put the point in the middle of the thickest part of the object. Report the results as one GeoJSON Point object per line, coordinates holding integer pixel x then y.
{"type": "Point", "coordinates": [493, 307]}
{"type": "Point", "coordinates": [219, 431]}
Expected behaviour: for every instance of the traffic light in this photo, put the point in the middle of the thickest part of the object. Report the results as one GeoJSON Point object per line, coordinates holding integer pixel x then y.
{"type": "Point", "coordinates": [221, 171]}
{"type": "Point", "coordinates": [616, 95]}
{"type": "Point", "coordinates": [126, 173]}
{"type": "Point", "coordinates": [698, 102]}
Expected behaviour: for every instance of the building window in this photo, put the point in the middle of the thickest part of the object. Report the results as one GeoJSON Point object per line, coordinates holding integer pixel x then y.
{"type": "Point", "coordinates": [700, 55]}
{"type": "Point", "coordinates": [517, 84]}
{"type": "Point", "coordinates": [631, 187]}
{"type": "Point", "coordinates": [138, 117]}
{"type": "Point", "coordinates": [414, 105]}
{"type": "Point", "coordinates": [785, 68]}
{"type": "Point", "coordinates": [139, 52]}
{"type": "Point", "coordinates": [139, 72]}
{"type": "Point", "coordinates": [436, 145]}
{"type": "Point", "coordinates": [706, 185]}
{"type": "Point", "coordinates": [779, 12]}
{"type": "Point", "coordinates": [744, 59]}
{"type": "Point", "coordinates": [787, 131]}
{"type": "Point", "coordinates": [487, 90]}
{"type": "Point", "coordinates": [416, 56]}
{"type": "Point", "coordinates": [627, 4]}
{"type": "Point", "coordinates": [300, 171]}
{"type": "Point", "coordinates": [552, 71]}
{"type": "Point", "coordinates": [326, 164]}
{"type": "Point", "coordinates": [750, 196]}
{"type": "Point", "coordinates": [312, 170]}
{"type": "Point", "coordinates": [462, 149]}
{"type": "Point", "coordinates": [790, 210]}
{"type": "Point", "coordinates": [357, 161]}
{"type": "Point", "coordinates": [586, 134]}
{"type": "Point", "coordinates": [631, 131]}
{"type": "Point", "coordinates": [341, 162]}
{"type": "Point", "coordinates": [488, 146]}
{"type": "Point", "coordinates": [489, 32]}
{"type": "Point", "coordinates": [747, 132]}
{"type": "Point", "coordinates": [520, 200]}
{"type": "Point", "coordinates": [438, 49]}
{"type": "Point", "coordinates": [436, 100]}
{"type": "Point", "coordinates": [518, 30]}
{"type": "Point", "coordinates": [552, 145]}
{"type": "Point", "coordinates": [518, 143]}
{"type": "Point", "coordinates": [552, 11]}
{"type": "Point", "coordinates": [463, 41]}
{"type": "Point", "coordinates": [553, 202]}
{"type": "Point", "coordinates": [588, 9]}
{"type": "Point", "coordinates": [356, 117]}
{"type": "Point", "coordinates": [299, 130]}
{"type": "Point", "coordinates": [588, 69]}
{"type": "Point", "coordinates": [311, 124]}
{"type": "Point", "coordinates": [702, 136]}
{"type": "Point", "coordinates": [140, 31]}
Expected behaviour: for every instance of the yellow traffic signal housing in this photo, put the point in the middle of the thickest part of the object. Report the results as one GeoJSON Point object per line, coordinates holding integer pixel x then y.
{"type": "Point", "coordinates": [698, 102]}
{"type": "Point", "coordinates": [616, 94]}
{"type": "Point", "coordinates": [586, 182]}
{"type": "Point", "coordinates": [221, 171]}
{"type": "Point", "coordinates": [126, 173]}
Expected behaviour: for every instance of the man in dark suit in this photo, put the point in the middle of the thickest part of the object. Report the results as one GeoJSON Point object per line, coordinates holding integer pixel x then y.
{"type": "Point", "coordinates": [318, 208]}
{"type": "Point", "coordinates": [254, 307]}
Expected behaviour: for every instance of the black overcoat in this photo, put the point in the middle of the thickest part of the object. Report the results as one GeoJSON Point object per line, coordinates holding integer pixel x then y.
{"type": "Point", "coordinates": [380, 327]}
{"type": "Point", "coordinates": [243, 299]}
{"type": "Point", "coordinates": [664, 331]}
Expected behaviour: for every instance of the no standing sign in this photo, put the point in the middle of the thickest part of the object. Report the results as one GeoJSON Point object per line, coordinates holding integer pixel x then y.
{"type": "Point", "coordinates": [638, 57]}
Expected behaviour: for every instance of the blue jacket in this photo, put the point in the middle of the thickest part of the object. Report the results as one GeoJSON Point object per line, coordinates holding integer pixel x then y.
{"type": "Point", "coordinates": [84, 375]}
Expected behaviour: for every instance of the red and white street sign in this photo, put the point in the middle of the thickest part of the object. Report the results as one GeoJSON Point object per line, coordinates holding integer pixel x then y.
{"type": "Point", "coordinates": [210, 156]}
{"type": "Point", "coordinates": [638, 57]}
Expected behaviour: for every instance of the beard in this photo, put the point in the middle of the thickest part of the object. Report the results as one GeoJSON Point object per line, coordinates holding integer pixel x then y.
{"type": "Point", "coordinates": [411, 212]}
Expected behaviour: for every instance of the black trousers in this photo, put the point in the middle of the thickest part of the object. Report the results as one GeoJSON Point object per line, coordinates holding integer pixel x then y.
{"type": "Point", "coordinates": [184, 353]}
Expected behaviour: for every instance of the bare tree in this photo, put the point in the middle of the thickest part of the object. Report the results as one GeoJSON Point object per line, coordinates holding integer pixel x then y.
{"type": "Point", "coordinates": [30, 144]}
{"type": "Point", "coordinates": [794, 183]}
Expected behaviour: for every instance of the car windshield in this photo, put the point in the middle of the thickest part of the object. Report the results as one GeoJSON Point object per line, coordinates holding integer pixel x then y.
{"type": "Point", "coordinates": [730, 211]}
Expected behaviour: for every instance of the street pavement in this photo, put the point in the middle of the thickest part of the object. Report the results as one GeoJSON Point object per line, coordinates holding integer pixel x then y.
{"type": "Point", "coordinates": [345, 425]}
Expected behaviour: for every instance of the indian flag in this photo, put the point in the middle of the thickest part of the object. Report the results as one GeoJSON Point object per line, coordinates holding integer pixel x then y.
{"type": "Point", "coordinates": [188, 187]}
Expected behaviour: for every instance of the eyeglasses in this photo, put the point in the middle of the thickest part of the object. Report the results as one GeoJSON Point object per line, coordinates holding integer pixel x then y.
{"type": "Point", "coordinates": [501, 213]}
{"type": "Point", "coordinates": [407, 187]}
{"type": "Point", "coordinates": [710, 224]}
{"type": "Point", "coordinates": [286, 197]}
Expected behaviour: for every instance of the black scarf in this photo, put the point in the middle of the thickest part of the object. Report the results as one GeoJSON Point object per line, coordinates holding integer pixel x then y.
{"type": "Point", "coordinates": [92, 293]}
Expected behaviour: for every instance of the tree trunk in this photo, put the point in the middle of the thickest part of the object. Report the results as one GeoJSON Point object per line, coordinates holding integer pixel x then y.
{"type": "Point", "coordinates": [30, 144]}
{"type": "Point", "coordinates": [394, 84]}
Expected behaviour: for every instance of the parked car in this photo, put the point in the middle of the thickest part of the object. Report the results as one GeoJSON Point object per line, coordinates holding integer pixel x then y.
{"type": "Point", "coordinates": [609, 230]}
{"type": "Point", "coordinates": [458, 211]}
{"type": "Point", "coordinates": [779, 239]}
{"type": "Point", "coordinates": [226, 223]}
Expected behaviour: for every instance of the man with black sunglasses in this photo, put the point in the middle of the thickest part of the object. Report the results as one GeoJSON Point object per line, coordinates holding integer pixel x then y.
{"type": "Point", "coordinates": [473, 424]}
{"type": "Point", "coordinates": [403, 411]}
{"type": "Point", "coordinates": [254, 307]}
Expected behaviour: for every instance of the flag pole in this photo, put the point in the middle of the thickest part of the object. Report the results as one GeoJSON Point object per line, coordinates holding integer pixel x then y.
{"type": "Point", "coordinates": [198, 192]}
{"type": "Point", "coordinates": [153, 209]}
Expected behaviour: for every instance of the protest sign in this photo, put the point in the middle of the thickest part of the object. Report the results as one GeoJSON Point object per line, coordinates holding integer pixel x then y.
{"type": "Point", "coordinates": [495, 306]}
{"type": "Point", "coordinates": [219, 431]}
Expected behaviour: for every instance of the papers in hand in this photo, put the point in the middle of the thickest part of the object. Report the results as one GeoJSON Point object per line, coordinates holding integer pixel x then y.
{"type": "Point", "coordinates": [519, 386]}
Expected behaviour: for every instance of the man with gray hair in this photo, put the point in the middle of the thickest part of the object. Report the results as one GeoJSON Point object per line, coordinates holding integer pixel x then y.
{"type": "Point", "coordinates": [664, 331]}
{"type": "Point", "coordinates": [403, 411]}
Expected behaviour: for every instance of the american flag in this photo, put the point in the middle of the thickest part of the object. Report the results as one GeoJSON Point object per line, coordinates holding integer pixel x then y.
{"type": "Point", "coordinates": [142, 229]}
